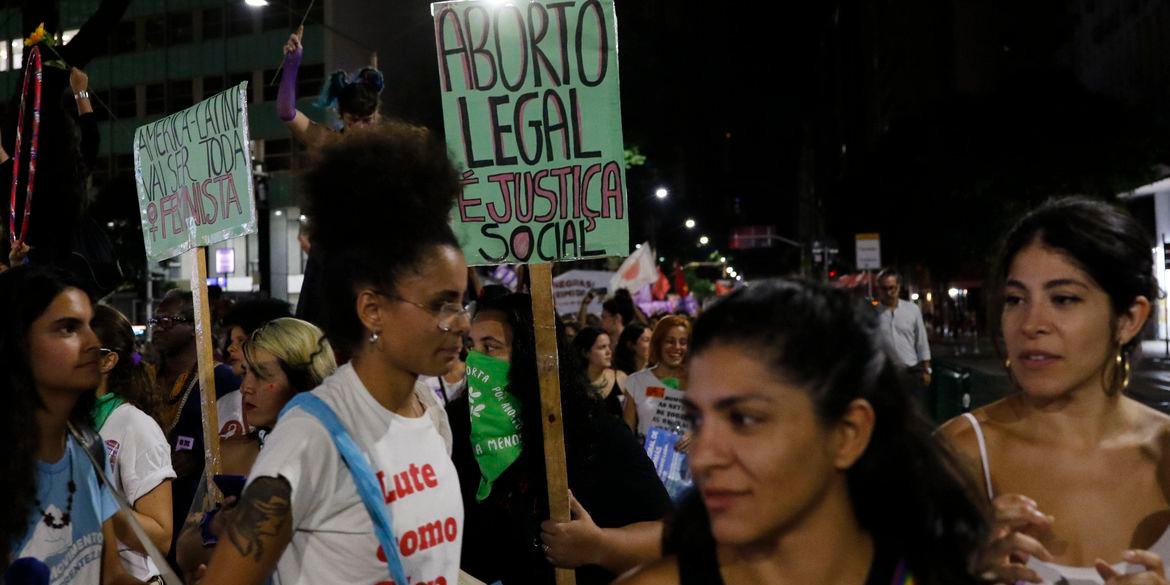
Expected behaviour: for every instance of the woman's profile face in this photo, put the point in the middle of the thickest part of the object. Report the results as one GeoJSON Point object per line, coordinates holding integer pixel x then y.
{"type": "Point", "coordinates": [642, 345]}
{"type": "Point", "coordinates": [760, 457]}
{"type": "Point", "coordinates": [674, 347]}
{"type": "Point", "coordinates": [235, 349]}
{"type": "Point", "coordinates": [1058, 324]}
{"type": "Point", "coordinates": [265, 389]}
{"type": "Point", "coordinates": [601, 355]}
{"type": "Point", "coordinates": [62, 346]}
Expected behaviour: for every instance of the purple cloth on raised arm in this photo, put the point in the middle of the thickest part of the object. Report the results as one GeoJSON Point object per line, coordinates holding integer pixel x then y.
{"type": "Point", "coordinates": [286, 97]}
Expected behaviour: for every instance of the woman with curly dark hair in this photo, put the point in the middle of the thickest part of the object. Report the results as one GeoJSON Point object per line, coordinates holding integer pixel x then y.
{"type": "Point", "coordinates": [618, 501]}
{"type": "Point", "coordinates": [56, 511]}
{"type": "Point", "coordinates": [139, 454]}
{"type": "Point", "coordinates": [811, 462]}
{"type": "Point", "coordinates": [379, 201]}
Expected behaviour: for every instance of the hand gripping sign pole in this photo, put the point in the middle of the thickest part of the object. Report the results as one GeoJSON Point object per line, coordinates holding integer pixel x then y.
{"type": "Point", "coordinates": [193, 171]}
{"type": "Point", "coordinates": [535, 121]}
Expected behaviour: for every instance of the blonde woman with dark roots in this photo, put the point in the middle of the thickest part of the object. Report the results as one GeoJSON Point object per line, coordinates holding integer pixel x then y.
{"type": "Point", "coordinates": [1078, 473]}
{"type": "Point", "coordinates": [283, 357]}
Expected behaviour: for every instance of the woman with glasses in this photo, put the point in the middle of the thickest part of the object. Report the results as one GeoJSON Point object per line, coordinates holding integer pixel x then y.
{"type": "Point", "coordinates": [283, 357]}
{"type": "Point", "coordinates": [380, 202]}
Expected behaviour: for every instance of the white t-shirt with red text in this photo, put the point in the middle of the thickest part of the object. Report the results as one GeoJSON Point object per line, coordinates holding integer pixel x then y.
{"type": "Point", "coordinates": [333, 539]}
{"type": "Point", "coordinates": [657, 405]}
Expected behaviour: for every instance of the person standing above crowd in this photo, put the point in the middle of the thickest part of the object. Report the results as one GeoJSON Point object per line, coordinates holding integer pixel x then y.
{"type": "Point", "coordinates": [399, 315]}
{"type": "Point", "coordinates": [811, 462]}
{"type": "Point", "coordinates": [238, 324]}
{"type": "Point", "coordinates": [55, 511]}
{"type": "Point", "coordinates": [617, 500]}
{"type": "Point", "coordinates": [607, 384]}
{"type": "Point", "coordinates": [632, 352]}
{"type": "Point", "coordinates": [138, 452]}
{"type": "Point", "coordinates": [176, 381]}
{"type": "Point", "coordinates": [903, 331]}
{"type": "Point", "coordinates": [1076, 471]}
{"type": "Point", "coordinates": [668, 355]}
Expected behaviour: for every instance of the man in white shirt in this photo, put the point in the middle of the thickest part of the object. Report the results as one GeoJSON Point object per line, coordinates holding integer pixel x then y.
{"type": "Point", "coordinates": [902, 330]}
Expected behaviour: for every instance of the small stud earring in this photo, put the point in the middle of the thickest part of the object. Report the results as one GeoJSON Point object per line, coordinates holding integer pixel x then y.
{"type": "Point", "coordinates": [374, 337]}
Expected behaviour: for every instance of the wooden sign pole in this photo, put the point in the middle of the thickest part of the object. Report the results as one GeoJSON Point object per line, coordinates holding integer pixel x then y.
{"type": "Point", "coordinates": [549, 370]}
{"type": "Point", "coordinates": [206, 359]}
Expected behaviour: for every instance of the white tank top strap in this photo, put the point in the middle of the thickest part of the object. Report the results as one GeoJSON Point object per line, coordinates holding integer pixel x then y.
{"type": "Point", "coordinates": [982, 453]}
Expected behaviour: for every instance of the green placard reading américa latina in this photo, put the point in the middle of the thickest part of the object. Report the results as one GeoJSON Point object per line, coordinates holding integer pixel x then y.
{"type": "Point", "coordinates": [533, 118]}
{"type": "Point", "coordinates": [193, 170]}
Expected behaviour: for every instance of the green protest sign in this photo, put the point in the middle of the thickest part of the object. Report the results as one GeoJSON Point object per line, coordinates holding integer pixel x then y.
{"type": "Point", "coordinates": [193, 171]}
{"type": "Point", "coordinates": [495, 419]}
{"type": "Point", "coordinates": [532, 113]}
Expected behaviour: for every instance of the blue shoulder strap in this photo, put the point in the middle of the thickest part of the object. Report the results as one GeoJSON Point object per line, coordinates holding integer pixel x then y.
{"type": "Point", "coordinates": [363, 477]}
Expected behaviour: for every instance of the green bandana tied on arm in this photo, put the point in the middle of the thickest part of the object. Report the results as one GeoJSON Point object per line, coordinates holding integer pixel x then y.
{"type": "Point", "coordinates": [495, 419]}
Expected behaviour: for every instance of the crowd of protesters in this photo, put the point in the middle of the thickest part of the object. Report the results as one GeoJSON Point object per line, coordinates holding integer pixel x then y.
{"type": "Point", "coordinates": [352, 449]}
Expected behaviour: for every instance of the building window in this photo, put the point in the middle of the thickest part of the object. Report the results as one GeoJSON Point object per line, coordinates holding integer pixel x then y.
{"type": "Point", "coordinates": [123, 163]}
{"type": "Point", "coordinates": [241, 19]}
{"type": "Point", "coordinates": [275, 20]}
{"type": "Point", "coordinates": [101, 97]}
{"type": "Point", "coordinates": [180, 29]}
{"type": "Point", "coordinates": [125, 102]}
{"type": "Point", "coordinates": [278, 154]}
{"type": "Point", "coordinates": [271, 89]}
{"type": "Point", "coordinates": [212, 23]}
{"type": "Point", "coordinates": [212, 85]}
{"type": "Point", "coordinates": [236, 78]}
{"type": "Point", "coordinates": [17, 53]}
{"type": "Point", "coordinates": [310, 78]}
{"type": "Point", "coordinates": [154, 33]}
{"type": "Point", "coordinates": [179, 95]}
{"type": "Point", "coordinates": [156, 99]}
{"type": "Point", "coordinates": [125, 38]}
{"type": "Point", "coordinates": [316, 15]}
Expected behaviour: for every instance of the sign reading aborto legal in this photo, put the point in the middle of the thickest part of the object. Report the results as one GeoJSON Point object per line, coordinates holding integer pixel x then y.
{"type": "Point", "coordinates": [532, 114]}
{"type": "Point", "coordinates": [193, 170]}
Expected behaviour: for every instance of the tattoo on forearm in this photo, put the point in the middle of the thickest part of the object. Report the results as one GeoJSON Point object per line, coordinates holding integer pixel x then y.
{"type": "Point", "coordinates": [264, 511]}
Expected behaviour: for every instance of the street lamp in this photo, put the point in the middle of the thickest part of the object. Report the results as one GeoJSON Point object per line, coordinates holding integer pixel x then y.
{"type": "Point", "coordinates": [690, 223]}
{"type": "Point", "coordinates": [661, 193]}
{"type": "Point", "coordinates": [723, 259]}
{"type": "Point", "coordinates": [256, 3]}
{"type": "Point", "coordinates": [703, 240]}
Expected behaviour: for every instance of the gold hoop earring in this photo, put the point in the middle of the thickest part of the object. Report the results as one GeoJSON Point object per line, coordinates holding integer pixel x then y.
{"type": "Point", "coordinates": [1122, 365]}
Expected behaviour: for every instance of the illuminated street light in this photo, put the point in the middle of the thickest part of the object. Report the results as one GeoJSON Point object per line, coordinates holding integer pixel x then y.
{"type": "Point", "coordinates": [690, 223]}
{"type": "Point", "coordinates": [703, 240]}
{"type": "Point", "coordinates": [661, 193]}
{"type": "Point", "coordinates": [723, 259]}
{"type": "Point", "coordinates": [256, 3]}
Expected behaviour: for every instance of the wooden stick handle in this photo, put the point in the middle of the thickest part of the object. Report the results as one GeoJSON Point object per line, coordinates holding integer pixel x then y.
{"type": "Point", "coordinates": [548, 367]}
{"type": "Point", "coordinates": [206, 359]}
